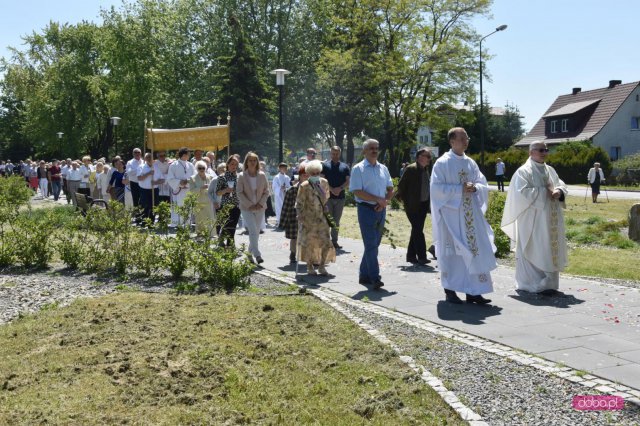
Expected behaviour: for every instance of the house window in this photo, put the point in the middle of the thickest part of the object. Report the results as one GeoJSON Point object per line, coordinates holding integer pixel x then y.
{"type": "Point", "coordinates": [554, 126]}
{"type": "Point", "coordinates": [615, 152]}
{"type": "Point", "coordinates": [635, 123]}
{"type": "Point", "coordinates": [564, 125]}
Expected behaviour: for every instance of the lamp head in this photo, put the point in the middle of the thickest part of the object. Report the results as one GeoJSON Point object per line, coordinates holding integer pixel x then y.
{"type": "Point", "coordinates": [501, 28]}
{"type": "Point", "coordinates": [280, 73]}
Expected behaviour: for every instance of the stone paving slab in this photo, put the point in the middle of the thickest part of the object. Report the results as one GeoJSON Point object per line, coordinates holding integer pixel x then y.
{"type": "Point", "coordinates": [582, 321]}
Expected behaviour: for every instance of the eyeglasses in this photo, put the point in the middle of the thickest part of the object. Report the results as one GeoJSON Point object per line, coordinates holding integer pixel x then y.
{"type": "Point", "coordinates": [311, 153]}
{"type": "Point", "coordinates": [201, 168]}
{"type": "Point", "coordinates": [541, 150]}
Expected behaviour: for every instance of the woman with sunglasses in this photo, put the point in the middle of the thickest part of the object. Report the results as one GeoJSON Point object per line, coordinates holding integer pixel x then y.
{"type": "Point", "coordinates": [533, 217]}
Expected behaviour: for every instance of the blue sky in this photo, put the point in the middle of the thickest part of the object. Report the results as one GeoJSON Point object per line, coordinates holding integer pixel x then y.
{"type": "Point", "coordinates": [549, 47]}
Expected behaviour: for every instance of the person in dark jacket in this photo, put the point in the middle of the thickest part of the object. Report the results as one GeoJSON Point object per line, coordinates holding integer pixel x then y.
{"type": "Point", "coordinates": [413, 191]}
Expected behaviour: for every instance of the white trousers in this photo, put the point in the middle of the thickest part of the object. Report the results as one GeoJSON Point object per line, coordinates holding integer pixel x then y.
{"type": "Point", "coordinates": [44, 187]}
{"type": "Point", "coordinates": [253, 221]}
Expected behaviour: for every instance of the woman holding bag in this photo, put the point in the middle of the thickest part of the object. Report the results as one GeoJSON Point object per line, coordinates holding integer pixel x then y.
{"type": "Point", "coordinates": [314, 235]}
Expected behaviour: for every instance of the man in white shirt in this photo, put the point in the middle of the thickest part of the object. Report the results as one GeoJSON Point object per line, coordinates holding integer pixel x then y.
{"type": "Point", "coordinates": [131, 170]}
{"type": "Point", "coordinates": [280, 184]}
{"type": "Point", "coordinates": [64, 170]}
{"type": "Point", "coordinates": [85, 171]}
{"type": "Point", "coordinates": [74, 176]}
{"type": "Point", "coordinates": [178, 178]}
{"type": "Point", "coordinates": [500, 169]}
{"type": "Point", "coordinates": [148, 179]}
{"type": "Point", "coordinates": [161, 166]}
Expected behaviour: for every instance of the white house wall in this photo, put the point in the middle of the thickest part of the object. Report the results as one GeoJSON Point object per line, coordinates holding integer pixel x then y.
{"type": "Point", "coordinates": [618, 132]}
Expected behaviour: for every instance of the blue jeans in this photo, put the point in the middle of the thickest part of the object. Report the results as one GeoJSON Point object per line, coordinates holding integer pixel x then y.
{"type": "Point", "coordinates": [55, 188]}
{"type": "Point", "coordinates": [371, 225]}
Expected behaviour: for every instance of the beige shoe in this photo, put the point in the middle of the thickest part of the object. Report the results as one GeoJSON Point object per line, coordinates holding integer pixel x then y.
{"type": "Point", "coordinates": [322, 271]}
{"type": "Point", "coordinates": [311, 270]}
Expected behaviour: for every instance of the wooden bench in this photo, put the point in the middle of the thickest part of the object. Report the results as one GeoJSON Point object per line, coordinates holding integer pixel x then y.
{"type": "Point", "coordinates": [85, 203]}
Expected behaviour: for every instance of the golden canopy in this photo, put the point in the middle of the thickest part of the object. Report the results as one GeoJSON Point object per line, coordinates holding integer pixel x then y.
{"type": "Point", "coordinates": [211, 138]}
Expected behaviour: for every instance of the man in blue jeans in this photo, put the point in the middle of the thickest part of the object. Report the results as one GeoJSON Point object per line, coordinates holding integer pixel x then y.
{"type": "Point", "coordinates": [372, 187]}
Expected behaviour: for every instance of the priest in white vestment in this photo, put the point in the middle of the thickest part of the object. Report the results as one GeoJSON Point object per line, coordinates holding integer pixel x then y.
{"type": "Point", "coordinates": [281, 182]}
{"type": "Point", "coordinates": [180, 171]}
{"type": "Point", "coordinates": [462, 236]}
{"type": "Point", "coordinates": [533, 217]}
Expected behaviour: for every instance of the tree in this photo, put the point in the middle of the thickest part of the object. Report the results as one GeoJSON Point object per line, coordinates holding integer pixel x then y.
{"type": "Point", "coordinates": [243, 89]}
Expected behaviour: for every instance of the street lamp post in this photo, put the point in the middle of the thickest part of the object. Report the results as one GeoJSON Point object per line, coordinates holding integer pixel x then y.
{"type": "Point", "coordinates": [280, 73]}
{"type": "Point", "coordinates": [482, 124]}
{"type": "Point", "coordinates": [60, 143]}
{"type": "Point", "coordinates": [115, 121]}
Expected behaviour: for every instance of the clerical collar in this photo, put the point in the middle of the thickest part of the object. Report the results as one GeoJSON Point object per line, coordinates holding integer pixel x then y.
{"type": "Point", "coordinates": [456, 155]}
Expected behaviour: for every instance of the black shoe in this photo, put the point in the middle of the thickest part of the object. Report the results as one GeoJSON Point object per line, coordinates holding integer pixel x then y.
{"type": "Point", "coordinates": [377, 285]}
{"type": "Point", "coordinates": [423, 261]}
{"type": "Point", "coordinates": [411, 259]}
{"type": "Point", "coordinates": [364, 280]}
{"type": "Point", "coordinates": [477, 299]}
{"type": "Point", "coordinates": [549, 292]}
{"type": "Point", "coordinates": [337, 246]}
{"type": "Point", "coordinates": [452, 297]}
{"type": "Point", "coordinates": [292, 258]}
{"type": "Point", "coordinates": [259, 260]}
{"type": "Point", "coordinates": [432, 250]}
{"type": "Point", "coordinates": [262, 232]}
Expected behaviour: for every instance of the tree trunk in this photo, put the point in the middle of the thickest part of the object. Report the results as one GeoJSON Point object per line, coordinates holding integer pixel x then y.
{"type": "Point", "coordinates": [350, 148]}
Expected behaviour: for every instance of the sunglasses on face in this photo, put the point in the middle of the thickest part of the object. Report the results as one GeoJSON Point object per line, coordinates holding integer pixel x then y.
{"type": "Point", "coordinates": [201, 168]}
{"type": "Point", "coordinates": [541, 150]}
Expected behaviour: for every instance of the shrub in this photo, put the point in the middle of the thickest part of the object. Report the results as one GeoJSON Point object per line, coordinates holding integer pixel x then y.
{"type": "Point", "coordinates": [572, 160]}
{"type": "Point", "coordinates": [221, 268]}
{"type": "Point", "coordinates": [494, 217]}
{"type": "Point", "coordinates": [176, 251]}
{"type": "Point", "coordinates": [33, 246]}
{"type": "Point", "coordinates": [146, 253]}
{"type": "Point", "coordinates": [70, 248]}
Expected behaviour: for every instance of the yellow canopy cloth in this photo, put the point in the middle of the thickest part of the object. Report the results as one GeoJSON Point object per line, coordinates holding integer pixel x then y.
{"type": "Point", "coordinates": [212, 138]}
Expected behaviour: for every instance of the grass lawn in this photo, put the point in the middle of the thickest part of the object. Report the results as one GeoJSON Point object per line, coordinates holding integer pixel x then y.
{"type": "Point", "coordinates": [164, 359]}
{"type": "Point", "coordinates": [593, 251]}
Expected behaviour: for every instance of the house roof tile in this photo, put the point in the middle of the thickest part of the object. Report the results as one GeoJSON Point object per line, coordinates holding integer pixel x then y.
{"type": "Point", "coordinates": [610, 100]}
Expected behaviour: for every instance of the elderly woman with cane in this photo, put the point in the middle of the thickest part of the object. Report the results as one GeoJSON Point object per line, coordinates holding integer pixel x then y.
{"type": "Point", "coordinates": [595, 178]}
{"type": "Point", "coordinates": [314, 234]}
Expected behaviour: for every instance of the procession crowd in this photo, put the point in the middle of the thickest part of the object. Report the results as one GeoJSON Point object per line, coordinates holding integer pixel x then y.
{"type": "Point", "coordinates": [308, 199]}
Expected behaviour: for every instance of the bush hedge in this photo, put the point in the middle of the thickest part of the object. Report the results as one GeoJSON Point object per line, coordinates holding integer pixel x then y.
{"type": "Point", "coordinates": [104, 242]}
{"type": "Point", "coordinates": [572, 161]}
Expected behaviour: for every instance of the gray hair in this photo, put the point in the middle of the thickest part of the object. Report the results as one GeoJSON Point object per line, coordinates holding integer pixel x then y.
{"type": "Point", "coordinates": [201, 163]}
{"type": "Point", "coordinates": [368, 143]}
{"type": "Point", "coordinates": [537, 144]}
{"type": "Point", "coordinates": [313, 166]}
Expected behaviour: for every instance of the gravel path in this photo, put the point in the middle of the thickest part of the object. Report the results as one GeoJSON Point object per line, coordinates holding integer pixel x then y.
{"type": "Point", "coordinates": [503, 392]}
{"type": "Point", "coordinates": [25, 293]}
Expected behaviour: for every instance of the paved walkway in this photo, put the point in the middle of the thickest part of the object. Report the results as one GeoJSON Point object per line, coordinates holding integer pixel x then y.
{"type": "Point", "coordinates": [593, 327]}
{"type": "Point", "coordinates": [581, 191]}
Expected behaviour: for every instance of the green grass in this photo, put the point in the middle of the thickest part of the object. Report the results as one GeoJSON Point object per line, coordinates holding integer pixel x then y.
{"type": "Point", "coordinates": [164, 359]}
